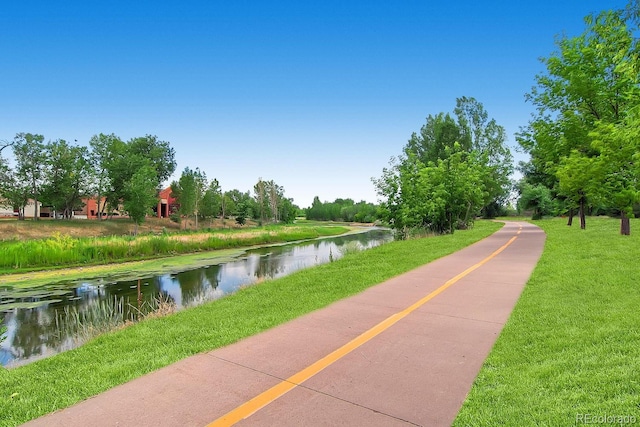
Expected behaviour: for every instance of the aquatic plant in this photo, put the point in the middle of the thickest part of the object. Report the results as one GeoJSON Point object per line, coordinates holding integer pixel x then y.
{"type": "Point", "coordinates": [350, 247]}
{"type": "Point", "coordinates": [96, 319]}
{"type": "Point", "coordinates": [109, 315]}
{"type": "Point", "coordinates": [159, 306]}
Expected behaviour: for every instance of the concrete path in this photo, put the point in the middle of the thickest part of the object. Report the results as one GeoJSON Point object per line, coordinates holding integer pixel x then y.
{"type": "Point", "coordinates": [404, 352]}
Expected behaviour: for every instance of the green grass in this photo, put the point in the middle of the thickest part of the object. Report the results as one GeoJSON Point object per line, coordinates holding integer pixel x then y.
{"type": "Point", "coordinates": [64, 251]}
{"type": "Point", "coordinates": [572, 343]}
{"type": "Point", "coordinates": [50, 384]}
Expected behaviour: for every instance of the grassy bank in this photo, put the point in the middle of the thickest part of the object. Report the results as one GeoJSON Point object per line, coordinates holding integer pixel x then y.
{"type": "Point", "coordinates": [112, 359]}
{"type": "Point", "coordinates": [570, 350]}
{"type": "Point", "coordinates": [62, 250]}
{"type": "Point", "coordinates": [122, 271]}
{"type": "Point", "coordinates": [29, 229]}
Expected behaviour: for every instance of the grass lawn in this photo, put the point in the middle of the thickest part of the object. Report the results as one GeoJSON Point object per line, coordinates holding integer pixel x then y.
{"type": "Point", "coordinates": [570, 351]}
{"type": "Point", "coordinates": [44, 386]}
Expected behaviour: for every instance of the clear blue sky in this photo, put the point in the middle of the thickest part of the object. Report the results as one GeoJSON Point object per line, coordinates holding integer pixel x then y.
{"type": "Point", "coordinates": [314, 95]}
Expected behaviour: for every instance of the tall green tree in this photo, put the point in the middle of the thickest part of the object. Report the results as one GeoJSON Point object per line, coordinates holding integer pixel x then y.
{"type": "Point", "coordinates": [486, 138]}
{"type": "Point", "coordinates": [473, 131]}
{"type": "Point", "coordinates": [436, 135]}
{"type": "Point", "coordinates": [141, 194]}
{"type": "Point", "coordinates": [212, 200]}
{"type": "Point", "coordinates": [616, 169]}
{"type": "Point", "coordinates": [30, 157]}
{"type": "Point", "coordinates": [448, 174]}
{"type": "Point", "coordinates": [261, 199]}
{"type": "Point", "coordinates": [14, 190]}
{"type": "Point", "coordinates": [102, 154]}
{"type": "Point", "coordinates": [184, 191]}
{"type": "Point", "coordinates": [159, 153]}
{"type": "Point", "coordinates": [189, 192]}
{"type": "Point", "coordinates": [67, 177]}
{"type": "Point", "coordinates": [126, 158]}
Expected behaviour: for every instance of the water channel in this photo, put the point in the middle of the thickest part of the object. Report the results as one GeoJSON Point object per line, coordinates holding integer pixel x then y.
{"type": "Point", "coordinates": [37, 319]}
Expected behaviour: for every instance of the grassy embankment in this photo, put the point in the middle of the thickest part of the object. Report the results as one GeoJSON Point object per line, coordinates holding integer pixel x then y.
{"type": "Point", "coordinates": [44, 386]}
{"type": "Point", "coordinates": [62, 250]}
{"type": "Point", "coordinates": [571, 345]}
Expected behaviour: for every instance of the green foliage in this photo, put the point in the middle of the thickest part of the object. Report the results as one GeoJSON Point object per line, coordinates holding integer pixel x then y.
{"type": "Point", "coordinates": [269, 203]}
{"type": "Point", "coordinates": [159, 154]}
{"type": "Point", "coordinates": [123, 160]}
{"type": "Point", "coordinates": [536, 197]}
{"type": "Point", "coordinates": [190, 191]}
{"type": "Point", "coordinates": [449, 174]}
{"type": "Point", "coordinates": [591, 81]}
{"type": "Point", "coordinates": [211, 205]}
{"type": "Point", "coordinates": [617, 167]}
{"type": "Point", "coordinates": [342, 210]}
{"type": "Point", "coordinates": [100, 158]}
{"type": "Point", "coordinates": [140, 194]}
{"type": "Point", "coordinates": [68, 177]}
{"type": "Point", "coordinates": [30, 155]}
{"type": "Point", "coordinates": [442, 196]}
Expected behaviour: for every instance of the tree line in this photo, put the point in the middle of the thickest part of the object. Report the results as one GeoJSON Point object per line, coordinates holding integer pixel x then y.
{"type": "Point", "coordinates": [59, 174]}
{"type": "Point", "coordinates": [342, 210]}
{"type": "Point", "coordinates": [199, 198]}
{"type": "Point", "coordinates": [127, 176]}
{"type": "Point", "coordinates": [584, 139]}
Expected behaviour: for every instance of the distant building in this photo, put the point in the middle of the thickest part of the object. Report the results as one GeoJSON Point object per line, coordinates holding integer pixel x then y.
{"type": "Point", "coordinates": [167, 204]}
{"type": "Point", "coordinates": [90, 209]}
{"type": "Point", "coordinates": [30, 209]}
{"type": "Point", "coordinates": [6, 209]}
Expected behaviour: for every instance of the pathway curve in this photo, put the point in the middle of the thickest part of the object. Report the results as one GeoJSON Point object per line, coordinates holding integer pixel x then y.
{"type": "Point", "coordinates": [404, 352]}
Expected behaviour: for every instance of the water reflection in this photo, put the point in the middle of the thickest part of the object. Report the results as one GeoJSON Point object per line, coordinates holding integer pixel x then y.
{"type": "Point", "coordinates": [30, 314]}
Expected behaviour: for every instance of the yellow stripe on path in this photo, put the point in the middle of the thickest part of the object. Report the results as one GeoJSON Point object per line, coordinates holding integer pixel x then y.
{"type": "Point", "coordinates": [252, 406]}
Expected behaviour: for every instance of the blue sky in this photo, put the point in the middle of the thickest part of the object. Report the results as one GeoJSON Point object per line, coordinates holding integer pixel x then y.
{"type": "Point", "coordinates": [314, 95]}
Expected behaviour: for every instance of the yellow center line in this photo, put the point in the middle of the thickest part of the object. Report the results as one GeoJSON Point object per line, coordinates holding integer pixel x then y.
{"type": "Point", "coordinates": [251, 406]}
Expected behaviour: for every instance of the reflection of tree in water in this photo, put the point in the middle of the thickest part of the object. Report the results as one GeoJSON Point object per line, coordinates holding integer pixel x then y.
{"type": "Point", "coordinates": [31, 329]}
{"type": "Point", "coordinates": [269, 267]}
{"type": "Point", "coordinates": [212, 274]}
{"type": "Point", "coordinates": [197, 285]}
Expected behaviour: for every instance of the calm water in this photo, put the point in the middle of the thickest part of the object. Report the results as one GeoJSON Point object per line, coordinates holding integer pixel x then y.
{"type": "Point", "coordinates": [36, 318]}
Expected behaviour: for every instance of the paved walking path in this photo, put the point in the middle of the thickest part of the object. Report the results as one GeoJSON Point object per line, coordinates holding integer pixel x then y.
{"type": "Point", "coordinates": [341, 365]}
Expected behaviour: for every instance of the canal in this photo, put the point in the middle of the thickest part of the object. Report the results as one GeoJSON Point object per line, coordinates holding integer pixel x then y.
{"type": "Point", "coordinates": [44, 320]}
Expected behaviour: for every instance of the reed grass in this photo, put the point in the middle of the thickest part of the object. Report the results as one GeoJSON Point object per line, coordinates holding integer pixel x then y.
{"type": "Point", "coordinates": [350, 247]}
{"type": "Point", "coordinates": [108, 316]}
{"type": "Point", "coordinates": [96, 319]}
{"type": "Point", "coordinates": [61, 250]}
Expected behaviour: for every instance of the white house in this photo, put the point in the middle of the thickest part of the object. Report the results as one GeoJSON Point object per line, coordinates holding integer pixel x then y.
{"type": "Point", "coordinates": [29, 209]}
{"type": "Point", "coordinates": [5, 210]}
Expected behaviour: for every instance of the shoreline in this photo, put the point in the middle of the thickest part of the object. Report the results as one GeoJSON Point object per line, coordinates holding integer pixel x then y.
{"type": "Point", "coordinates": [152, 266]}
